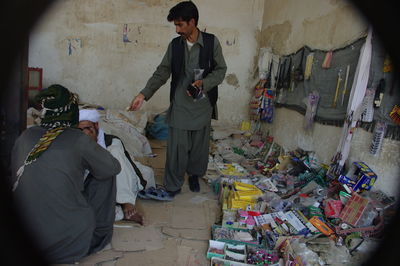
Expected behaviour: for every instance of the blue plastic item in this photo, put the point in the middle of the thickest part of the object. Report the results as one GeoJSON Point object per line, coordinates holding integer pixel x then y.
{"type": "Point", "coordinates": [359, 177]}
{"type": "Point", "coordinates": [159, 128]}
{"type": "Point", "coordinates": [158, 194]}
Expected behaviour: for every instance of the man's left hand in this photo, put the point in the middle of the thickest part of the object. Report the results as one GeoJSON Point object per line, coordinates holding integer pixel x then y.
{"type": "Point", "coordinates": [198, 83]}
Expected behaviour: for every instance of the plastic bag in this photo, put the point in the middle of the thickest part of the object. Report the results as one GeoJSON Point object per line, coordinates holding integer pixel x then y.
{"type": "Point", "coordinates": [312, 103]}
{"type": "Point", "coordinates": [308, 256]}
{"type": "Point", "coordinates": [198, 75]}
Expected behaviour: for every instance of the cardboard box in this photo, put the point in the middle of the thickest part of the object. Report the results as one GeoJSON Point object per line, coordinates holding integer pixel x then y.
{"type": "Point", "coordinates": [156, 143]}
{"type": "Point", "coordinates": [159, 160]}
{"type": "Point", "coordinates": [354, 209]}
{"type": "Point", "coordinates": [143, 160]}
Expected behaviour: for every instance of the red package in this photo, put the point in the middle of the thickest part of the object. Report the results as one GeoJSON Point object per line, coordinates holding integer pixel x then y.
{"type": "Point", "coordinates": [332, 208]}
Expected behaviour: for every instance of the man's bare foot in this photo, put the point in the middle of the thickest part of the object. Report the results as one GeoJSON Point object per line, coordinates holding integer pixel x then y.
{"type": "Point", "coordinates": [131, 213]}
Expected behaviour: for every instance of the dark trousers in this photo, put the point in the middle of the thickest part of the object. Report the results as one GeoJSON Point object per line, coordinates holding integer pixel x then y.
{"type": "Point", "coordinates": [187, 152]}
{"type": "Point", "coordinates": [100, 195]}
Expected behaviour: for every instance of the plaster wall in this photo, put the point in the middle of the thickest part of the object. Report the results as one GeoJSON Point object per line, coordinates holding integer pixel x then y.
{"type": "Point", "coordinates": [287, 26]}
{"type": "Point", "coordinates": [106, 50]}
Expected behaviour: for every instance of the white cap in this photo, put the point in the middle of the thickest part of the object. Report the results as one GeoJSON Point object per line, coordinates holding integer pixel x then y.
{"type": "Point", "coordinates": [89, 115]}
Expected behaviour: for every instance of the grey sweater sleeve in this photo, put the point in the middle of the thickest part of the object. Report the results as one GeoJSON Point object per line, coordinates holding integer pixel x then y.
{"type": "Point", "coordinates": [97, 160]}
{"type": "Point", "coordinates": [160, 76]}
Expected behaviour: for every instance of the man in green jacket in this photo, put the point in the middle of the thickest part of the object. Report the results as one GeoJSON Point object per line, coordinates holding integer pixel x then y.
{"type": "Point", "coordinates": [194, 58]}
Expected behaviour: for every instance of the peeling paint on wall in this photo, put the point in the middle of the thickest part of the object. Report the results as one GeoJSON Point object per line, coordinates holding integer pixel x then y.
{"type": "Point", "coordinates": [125, 34]}
{"type": "Point", "coordinates": [229, 39]}
{"type": "Point", "coordinates": [232, 79]}
{"type": "Point", "coordinates": [110, 71]}
{"type": "Point", "coordinates": [145, 36]}
{"type": "Point", "coordinates": [330, 31]}
{"type": "Point", "coordinates": [230, 42]}
{"type": "Point", "coordinates": [74, 44]}
{"type": "Point", "coordinates": [276, 36]}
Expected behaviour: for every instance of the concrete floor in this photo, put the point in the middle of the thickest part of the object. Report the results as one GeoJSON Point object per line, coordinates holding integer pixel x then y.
{"type": "Point", "coordinates": [174, 233]}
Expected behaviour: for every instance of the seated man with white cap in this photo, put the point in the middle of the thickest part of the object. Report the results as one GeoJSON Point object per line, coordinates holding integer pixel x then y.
{"type": "Point", "coordinates": [130, 180]}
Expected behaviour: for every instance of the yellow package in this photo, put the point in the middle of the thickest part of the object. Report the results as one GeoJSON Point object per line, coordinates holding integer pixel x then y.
{"type": "Point", "coordinates": [240, 204]}
{"type": "Point", "coordinates": [244, 186]}
{"type": "Point", "coordinates": [245, 126]}
{"type": "Point", "coordinates": [248, 194]}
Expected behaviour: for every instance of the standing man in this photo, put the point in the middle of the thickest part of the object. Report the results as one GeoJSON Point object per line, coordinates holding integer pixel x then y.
{"type": "Point", "coordinates": [194, 58]}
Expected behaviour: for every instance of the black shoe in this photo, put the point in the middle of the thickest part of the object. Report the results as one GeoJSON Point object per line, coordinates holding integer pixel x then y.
{"type": "Point", "coordinates": [173, 193]}
{"type": "Point", "coordinates": [194, 183]}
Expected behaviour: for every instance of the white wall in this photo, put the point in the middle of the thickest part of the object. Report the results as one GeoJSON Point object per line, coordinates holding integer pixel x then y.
{"type": "Point", "coordinates": [104, 70]}
{"type": "Point", "coordinates": [322, 24]}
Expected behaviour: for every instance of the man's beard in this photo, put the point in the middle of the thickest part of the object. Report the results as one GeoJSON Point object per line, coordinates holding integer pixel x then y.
{"type": "Point", "coordinates": [97, 134]}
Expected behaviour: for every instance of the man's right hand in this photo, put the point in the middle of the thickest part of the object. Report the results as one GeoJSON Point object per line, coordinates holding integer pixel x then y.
{"type": "Point", "coordinates": [136, 102]}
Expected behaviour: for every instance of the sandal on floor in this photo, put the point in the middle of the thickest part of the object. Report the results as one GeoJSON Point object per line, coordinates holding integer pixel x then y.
{"type": "Point", "coordinates": [142, 194]}
{"type": "Point", "coordinates": [158, 194]}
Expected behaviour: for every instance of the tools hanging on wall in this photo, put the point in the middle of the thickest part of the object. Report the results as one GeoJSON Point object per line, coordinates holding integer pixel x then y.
{"type": "Point", "coordinates": [339, 80]}
{"type": "Point", "coordinates": [309, 64]}
{"type": "Point", "coordinates": [379, 93]}
{"type": "Point", "coordinates": [345, 83]}
{"type": "Point", "coordinates": [312, 103]}
{"type": "Point", "coordinates": [281, 73]}
{"type": "Point", "coordinates": [287, 75]}
{"type": "Point", "coordinates": [334, 81]}
{"type": "Point", "coordinates": [292, 80]}
{"type": "Point", "coordinates": [327, 60]}
{"type": "Point", "coordinates": [279, 79]}
{"type": "Point", "coordinates": [277, 75]}
{"type": "Point", "coordinates": [298, 72]}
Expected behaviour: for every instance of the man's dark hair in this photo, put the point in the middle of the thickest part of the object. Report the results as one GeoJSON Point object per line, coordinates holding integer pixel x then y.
{"type": "Point", "coordinates": [185, 11]}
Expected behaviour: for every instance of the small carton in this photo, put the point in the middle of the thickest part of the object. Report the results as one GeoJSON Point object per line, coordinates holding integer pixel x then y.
{"type": "Point", "coordinates": [359, 177]}
{"type": "Point", "coordinates": [235, 256]}
{"type": "Point", "coordinates": [221, 261]}
{"type": "Point", "coordinates": [216, 249]}
{"type": "Point", "coordinates": [237, 249]}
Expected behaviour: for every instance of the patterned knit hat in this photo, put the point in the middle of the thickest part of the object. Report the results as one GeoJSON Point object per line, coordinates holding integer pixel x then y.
{"type": "Point", "coordinates": [60, 110]}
